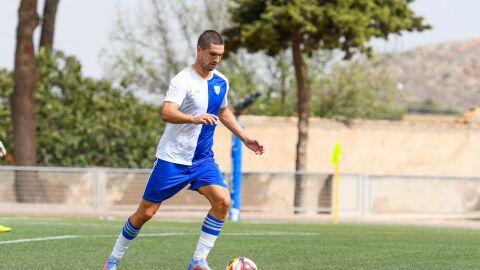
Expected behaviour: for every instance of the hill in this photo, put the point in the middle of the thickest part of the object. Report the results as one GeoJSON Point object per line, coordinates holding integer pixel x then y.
{"type": "Point", "coordinates": [448, 73]}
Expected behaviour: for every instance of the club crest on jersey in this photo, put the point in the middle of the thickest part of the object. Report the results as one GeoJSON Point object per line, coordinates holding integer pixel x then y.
{"type": "Point", "coordinates": [217, 89]}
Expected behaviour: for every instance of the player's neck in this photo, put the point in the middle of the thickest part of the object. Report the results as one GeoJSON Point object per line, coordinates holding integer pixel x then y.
{"type": "Point", "coordinates": [202, 72]}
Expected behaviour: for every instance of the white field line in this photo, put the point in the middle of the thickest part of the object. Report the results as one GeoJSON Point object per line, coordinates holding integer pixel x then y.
{"type": "Point", "coordinates": [235, 234]}
{"type": "Point", "coordinates": [107, 225]}
{"type": "Point", "coordinates": [272, 234]}
{"type": "Point", "coordinates": [61, 237]}
{"type": "Point", "coordinates": [50, 223]}
{"type": "Point", "coordinates": [38, 239]}
{"type": "Point", "coordinates": [94, 225]}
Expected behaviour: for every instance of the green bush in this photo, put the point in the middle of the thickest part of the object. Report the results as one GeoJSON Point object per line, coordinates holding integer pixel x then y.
{"type": "Point", "coordinates": [83, 121]}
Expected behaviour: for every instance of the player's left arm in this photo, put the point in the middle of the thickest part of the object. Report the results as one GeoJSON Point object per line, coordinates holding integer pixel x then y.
{"type": "Point", "coordinates": [228, 120]}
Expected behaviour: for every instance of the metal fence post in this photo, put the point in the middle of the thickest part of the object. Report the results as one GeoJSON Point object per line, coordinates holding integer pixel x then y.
{"type": "Point", "coordinates": [362, 196]}
{"type": "Point", "coordinates": [100, 182]}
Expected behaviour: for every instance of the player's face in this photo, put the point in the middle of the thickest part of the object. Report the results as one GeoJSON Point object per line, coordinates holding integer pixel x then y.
{"type": "Point", "coordinates": [210, 57]}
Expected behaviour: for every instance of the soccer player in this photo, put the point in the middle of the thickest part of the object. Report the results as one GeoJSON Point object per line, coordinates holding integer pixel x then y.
{"type": "Point", "coordinates": [195, 101]}
{"type": "Point", "coordinates": [3, 152]}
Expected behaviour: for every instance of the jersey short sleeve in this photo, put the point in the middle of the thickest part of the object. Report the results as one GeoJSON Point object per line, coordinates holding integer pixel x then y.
{"type": "Point", "coordinates": [176, 91]}
{"type": "Point", "coordinates": [225, 99]}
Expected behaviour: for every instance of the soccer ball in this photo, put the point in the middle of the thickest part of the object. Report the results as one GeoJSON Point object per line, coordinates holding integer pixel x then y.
{"type": "Point", "coordinates": [241, 263]}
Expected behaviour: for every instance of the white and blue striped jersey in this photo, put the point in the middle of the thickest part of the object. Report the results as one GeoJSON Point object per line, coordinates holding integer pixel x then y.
{"type": "Point", "coordinates": [187, 143]}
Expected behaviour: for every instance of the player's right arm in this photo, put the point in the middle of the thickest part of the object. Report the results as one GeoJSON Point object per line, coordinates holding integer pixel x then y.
{"type": "Point", "coordinates": [177, 92]}
{"type": "Point", "coordinates": [171, 113]}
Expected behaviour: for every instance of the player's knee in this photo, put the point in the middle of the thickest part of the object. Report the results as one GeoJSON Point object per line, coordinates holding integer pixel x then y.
{"type": "Point", "coordinates": [145, 214]}
{"type": "Point", "coordinates": [223, 204]}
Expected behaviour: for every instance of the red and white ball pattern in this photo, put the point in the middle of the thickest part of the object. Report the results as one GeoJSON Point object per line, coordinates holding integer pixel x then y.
{"type": "Point", "coordinates": [241, 263]}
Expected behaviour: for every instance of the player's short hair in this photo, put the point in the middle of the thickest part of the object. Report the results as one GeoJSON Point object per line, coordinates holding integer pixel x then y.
{"type": "Point", "coordinates": [209, 37]}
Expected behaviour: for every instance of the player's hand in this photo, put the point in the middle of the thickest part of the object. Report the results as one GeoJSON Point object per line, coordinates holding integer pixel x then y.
{"type": "Point", "coordinates": [3, 151]}
{"type": "Point", "coordinates": [205, 119]}
{"type": "Point", "coordinates": [255, 146]}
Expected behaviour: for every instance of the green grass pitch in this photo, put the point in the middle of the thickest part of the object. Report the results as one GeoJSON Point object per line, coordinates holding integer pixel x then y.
{"type": "Point", "coordinates": [68, 243]}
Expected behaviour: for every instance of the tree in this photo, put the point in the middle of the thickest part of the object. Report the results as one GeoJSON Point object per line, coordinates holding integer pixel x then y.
{"type": "Point", "coordinates": [306, 26]}
{"type": "Point", "coordinates": [23, 110]}
{"type": "Point", "coordinates": [23, 98]}
{"type": "Point", "coordinates": [48, 24]}
{"type": "Point", "coordinates": [87, 122]}
{"type": "Point", "coordinates": [83, 121]}
{"type": "Point", "coordinates": [359, 89]}
{"type": "Point", "coordinates": [146, 52]}
{"type": "Point", "coordinates": [28, 186]}
{"type": "Point", "coordinates": [160, 39]}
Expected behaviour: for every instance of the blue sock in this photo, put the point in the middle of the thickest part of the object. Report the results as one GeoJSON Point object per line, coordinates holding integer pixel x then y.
{"type": "Point", "coordinates": [211, 229]}
{"type": "Point", "coordinates": [129, 231]}
{"type": "Point", "coordinates": [212, 225]}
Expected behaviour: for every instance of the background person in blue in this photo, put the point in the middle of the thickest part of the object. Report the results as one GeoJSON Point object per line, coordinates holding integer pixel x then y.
{"type": "Point", "coordinates": [195, 101]}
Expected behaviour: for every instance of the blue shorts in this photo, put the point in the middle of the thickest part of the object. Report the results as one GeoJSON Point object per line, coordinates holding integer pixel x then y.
{"type": "Point", "coordinates": [167, 178]}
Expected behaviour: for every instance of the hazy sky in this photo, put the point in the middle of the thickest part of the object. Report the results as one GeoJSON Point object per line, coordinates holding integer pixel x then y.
{"type": "Point", "coordinates": [83, 27]}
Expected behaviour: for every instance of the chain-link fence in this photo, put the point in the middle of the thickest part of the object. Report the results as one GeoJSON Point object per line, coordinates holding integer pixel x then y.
{"type": "Point", "coordinates": [271, 192]}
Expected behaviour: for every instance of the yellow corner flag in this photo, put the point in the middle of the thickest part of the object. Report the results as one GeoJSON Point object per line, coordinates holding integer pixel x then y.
{"type": "Point", "coordinates": [337, 152]}
{"type": "Point", "coordinates": [4, 229]}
